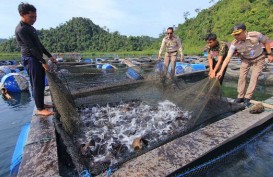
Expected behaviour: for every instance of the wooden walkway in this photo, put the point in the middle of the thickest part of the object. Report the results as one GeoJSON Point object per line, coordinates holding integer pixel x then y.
{"type": "Point", "coordinates": [40, 153]}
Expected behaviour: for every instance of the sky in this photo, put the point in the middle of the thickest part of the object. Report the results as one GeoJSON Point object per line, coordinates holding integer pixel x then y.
{"type": "Point", "coordinates": [128, 17]}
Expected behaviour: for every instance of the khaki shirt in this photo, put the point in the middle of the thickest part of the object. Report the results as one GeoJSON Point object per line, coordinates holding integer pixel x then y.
{"type": "Point", "coordinates": [172, 45]}
{"type": "Point", "coordinates": [251, 48]}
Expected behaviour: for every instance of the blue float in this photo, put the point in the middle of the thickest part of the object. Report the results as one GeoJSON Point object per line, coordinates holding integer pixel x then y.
{"type": "Point", "coordinates": [12, 62]}
{"type": "Point", "coordinates": [198, 67]}
{"type": "Point", "coordinates": [179, 70]}
{"type": "Point", "coordinates": [4, 70]}
{"type": "Point", "coordinates": [159, 67]}
{"type": "Point", "coordinates": [107, 66]}
{"type": "Point", "coordinates": [99, 60]}
{"type": "Point", "coordinates": [88, 60]}
{"type": "Point", "coordinates": [14, 82]}
{"type": "Point", "coordinates": [19, 149]}
{"type": "Point", "coordinates": [133, 74]}
{"type": "Point", "coordinates": [15, 70]}
{"type": "Point", "coordinates": [99, 66]}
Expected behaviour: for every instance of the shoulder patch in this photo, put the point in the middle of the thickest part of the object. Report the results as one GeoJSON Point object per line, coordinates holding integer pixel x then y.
{"type": "Point", "coordinates": [253, 34]}
{"type": "Point", "coordinates": [234, 42]}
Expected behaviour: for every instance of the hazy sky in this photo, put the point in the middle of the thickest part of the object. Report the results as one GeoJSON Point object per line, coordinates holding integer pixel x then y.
{"type": "Point", "coordinates": [129, 17]}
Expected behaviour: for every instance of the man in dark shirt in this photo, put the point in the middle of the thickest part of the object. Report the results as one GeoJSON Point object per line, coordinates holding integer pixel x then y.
{"type": "Point", "coordinates": [32, 55]}
{"type": "Point", "coordinates": [217, 51]}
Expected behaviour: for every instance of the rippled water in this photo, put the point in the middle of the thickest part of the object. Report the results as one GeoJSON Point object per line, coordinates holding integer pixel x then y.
{"type": "Point", "coordinates": [252, 160]}
{"type": "Point", "coordinates": [13, 115]}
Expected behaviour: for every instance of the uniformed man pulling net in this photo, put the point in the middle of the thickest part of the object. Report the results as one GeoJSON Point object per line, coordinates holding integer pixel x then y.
{"type": "Point", "coordinates": [248, 45]}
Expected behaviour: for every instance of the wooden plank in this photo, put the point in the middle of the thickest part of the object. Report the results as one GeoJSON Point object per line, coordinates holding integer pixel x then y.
{"type": "Point", "coordinates": [186, 149]}
{"type": "Point", "coordinates": [40, 152]}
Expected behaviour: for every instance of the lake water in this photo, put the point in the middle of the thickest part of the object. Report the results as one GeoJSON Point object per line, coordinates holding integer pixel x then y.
{"type": "Point", "coordinates": [13, 115]}
{"type": "Point", "coordinates": [257, 158]}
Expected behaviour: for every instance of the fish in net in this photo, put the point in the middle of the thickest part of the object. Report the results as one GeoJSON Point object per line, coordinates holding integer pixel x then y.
{"type": "Point", "coordinates": [110, 119]}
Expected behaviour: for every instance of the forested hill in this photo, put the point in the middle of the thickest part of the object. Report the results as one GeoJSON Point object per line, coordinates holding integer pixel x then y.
{"type": "Point", "coordinates": [81, 34]}
{"type": "Point", "coordinates": [2, 40]}
{"type": "Point", "coordinates": [220, 18]}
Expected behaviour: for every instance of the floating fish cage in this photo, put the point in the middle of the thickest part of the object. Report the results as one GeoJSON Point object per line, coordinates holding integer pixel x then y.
{"type": "Point", "coordinates": [106, 118]}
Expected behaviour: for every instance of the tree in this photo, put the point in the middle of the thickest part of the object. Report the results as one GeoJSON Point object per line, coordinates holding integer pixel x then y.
{"type": "Point", "coordinates": [197, 10]}
{"type": "Point", "coordinates": [186, 14]}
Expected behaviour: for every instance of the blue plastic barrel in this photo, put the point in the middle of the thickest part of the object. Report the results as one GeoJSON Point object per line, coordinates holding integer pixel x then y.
{"type": "Point", "coordinates": [107, 66]}
{"type": "Point", "coordinates": [88, 60]}
{"type": "Point", "coordinates": [133, 74]}
{"type": "Point", "coordinates": [12, 62]}
{"type": "Point", "coordinates": [14, 82]}
{"type": "Point", "coordinates": [183, 68]}
{"type": "Point", "coordinates": [19, 149]}
{"type": "Point", "coordinates": [99, 66]}
{"type": "Point", "coordinates": [5, 69]}
{"type": "Point", "coordinates": [198, 67]}
{"type": "Point", "coordinates": [15, 70]}
{"type": "Point", "coordinates": [99, 59]}
{"type": "Point", "coordinates": [179, 69]}
{"type": "Point", "coordinates": [159, 67]}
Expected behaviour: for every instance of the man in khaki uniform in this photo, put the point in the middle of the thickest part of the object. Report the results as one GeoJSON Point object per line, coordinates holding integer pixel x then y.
{"type": "Point", "coordinates": [248, 46]}
{"type": "Point", "coordinates": [172, 44]}
{"type": "Point", "coordinates": [217, 52]}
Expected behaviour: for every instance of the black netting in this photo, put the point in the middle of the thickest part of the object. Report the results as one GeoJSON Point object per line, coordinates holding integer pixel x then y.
{"type": "Point", "coordinates": [113, 113]}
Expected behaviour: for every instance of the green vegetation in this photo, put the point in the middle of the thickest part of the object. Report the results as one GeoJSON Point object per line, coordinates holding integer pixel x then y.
{"type": "Point", "coordinates": [220, 18]}
{"type": "Point", "coordinates": [82, 35]}
{"type": "Point", "coordinates": [231, 92]}
{"type": "Point", "coordinates": [3, 40]}
{"type": "Point", "coordinates": [10, 56]}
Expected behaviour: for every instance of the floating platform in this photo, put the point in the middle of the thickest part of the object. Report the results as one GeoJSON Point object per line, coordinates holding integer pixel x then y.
{"type": "Point", "coordinates": [40, 154]}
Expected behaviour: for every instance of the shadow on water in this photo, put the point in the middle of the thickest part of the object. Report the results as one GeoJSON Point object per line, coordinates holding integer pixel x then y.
{"type": "Point", "coordinates": [18, 99]}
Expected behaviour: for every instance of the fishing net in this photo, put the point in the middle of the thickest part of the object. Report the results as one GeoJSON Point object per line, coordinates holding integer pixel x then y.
{"type": "Point", "coordinates": [110, 118]}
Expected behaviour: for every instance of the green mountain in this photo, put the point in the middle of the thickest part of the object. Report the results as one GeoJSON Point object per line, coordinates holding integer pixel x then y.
{"type": "Point", "coordinates": [220, 18]}
{"type": "Point", "coordinates": [2, 40]}
{"type": "Point", "coordinates": [81, 34]}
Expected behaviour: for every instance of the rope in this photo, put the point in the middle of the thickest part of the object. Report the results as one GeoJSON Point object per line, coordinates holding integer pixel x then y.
{"type": "Point", "coordinates": [236, 149]}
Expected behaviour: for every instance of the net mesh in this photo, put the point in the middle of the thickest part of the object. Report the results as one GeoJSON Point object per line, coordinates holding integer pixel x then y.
{"type": "Point", "coordinates": [111, 118]}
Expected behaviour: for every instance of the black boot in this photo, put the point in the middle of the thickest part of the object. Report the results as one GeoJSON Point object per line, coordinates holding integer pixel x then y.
{"type": "Point", "coordinates": [247, 102]}
{"type": "Point", "coordinates": [239, 100]}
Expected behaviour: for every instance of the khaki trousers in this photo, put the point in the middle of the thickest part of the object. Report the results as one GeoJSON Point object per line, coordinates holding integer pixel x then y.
{"type": "Point", "coordinates": [169, 58]}
{"type": "Point", "coordinates": [257, 67]}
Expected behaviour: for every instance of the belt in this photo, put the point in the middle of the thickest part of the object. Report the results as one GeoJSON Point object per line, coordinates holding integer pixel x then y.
{"type": "Point", "coordinates": [172, 51]}
{"type": "Point", "coordinates": [253, 58]}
